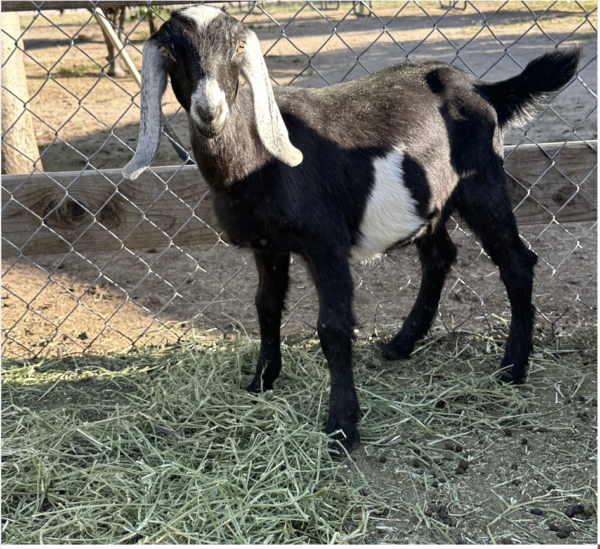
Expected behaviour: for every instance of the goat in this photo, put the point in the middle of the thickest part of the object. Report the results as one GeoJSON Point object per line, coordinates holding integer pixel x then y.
{"type": "Point", "coordinates": [376, 162]}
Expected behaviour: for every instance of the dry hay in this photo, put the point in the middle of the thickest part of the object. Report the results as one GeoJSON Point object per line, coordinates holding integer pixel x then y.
{"type": "Point", "coordinates": [165, 446]}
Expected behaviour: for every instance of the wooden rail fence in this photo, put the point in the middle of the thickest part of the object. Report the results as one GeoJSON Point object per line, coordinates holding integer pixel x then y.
{"type": "Point", "coordinates": [147, 213]}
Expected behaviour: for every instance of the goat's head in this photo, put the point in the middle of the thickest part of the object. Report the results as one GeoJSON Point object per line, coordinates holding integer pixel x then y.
{"type": "Point", "coordinates": [204, 51]}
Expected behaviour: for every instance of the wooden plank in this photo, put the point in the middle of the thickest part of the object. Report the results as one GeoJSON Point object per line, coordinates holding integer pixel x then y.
{"type": "Point", "coordinates": [553, 180]}
{"type": "Point", "coordinates": [101, 211]}
{"type": "Point", "coordinates": [9, 5]}
{"type": "Point", "coordinates": [141, 214]}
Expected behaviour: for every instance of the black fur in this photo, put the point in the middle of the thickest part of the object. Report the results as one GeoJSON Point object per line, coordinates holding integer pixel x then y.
{"type": "Point", "coordinates": [518, 98]}
{"type": "Point", "coordinates": [449, 126]}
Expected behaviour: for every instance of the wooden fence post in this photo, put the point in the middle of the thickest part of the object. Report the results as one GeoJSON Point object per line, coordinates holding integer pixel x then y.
{"type": "Point", "coordinates": [20, 154]}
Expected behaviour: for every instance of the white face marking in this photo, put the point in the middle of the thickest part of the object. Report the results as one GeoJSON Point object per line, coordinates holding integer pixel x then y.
{"type": "Point", "coordinates": [210, 97]}
{"type": "Point", "coordinates": [391, 212]}
{"type": "Point", "coordinates": [202, 15]}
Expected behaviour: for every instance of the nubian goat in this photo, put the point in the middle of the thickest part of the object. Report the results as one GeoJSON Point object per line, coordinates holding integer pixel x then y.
{"type": "Point", "coordinates": [347, 171]}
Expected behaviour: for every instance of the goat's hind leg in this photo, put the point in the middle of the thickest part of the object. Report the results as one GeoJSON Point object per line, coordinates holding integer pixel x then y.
{"type": "Point", "coordinates": [437, 253]}
{"type": "Point", "coordinates": [270, 297]}
{"type": "Point", "coordinates": [488, 211]}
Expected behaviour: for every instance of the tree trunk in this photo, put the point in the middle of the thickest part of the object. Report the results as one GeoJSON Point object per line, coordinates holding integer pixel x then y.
{"type": "Point", "coordinates": [116, 63]}
{"type": "Point", "coordinates": [19, 147]}
{"type": "Point", "coordinates": [151, 21]}
{"type": "Point", "coordinates": [121, 34]}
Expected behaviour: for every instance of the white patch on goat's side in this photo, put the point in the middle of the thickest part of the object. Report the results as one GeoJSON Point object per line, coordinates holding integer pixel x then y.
{"type": "Point", "coordinates": [201, 15]}
{"type": "Point", "coordinates": [209, 96]}
{"type": "Point", "coordinates": [391, 211]}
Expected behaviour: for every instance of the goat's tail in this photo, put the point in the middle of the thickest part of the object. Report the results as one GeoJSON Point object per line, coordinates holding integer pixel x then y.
{"type": "Point", "coordinates": [517, 99]}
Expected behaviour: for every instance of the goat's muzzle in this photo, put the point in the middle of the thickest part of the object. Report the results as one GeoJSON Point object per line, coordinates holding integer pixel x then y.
{"type": "Point", "coordinates": [210, 122]}
{"type": "Point", "coordinates": [209, 108]}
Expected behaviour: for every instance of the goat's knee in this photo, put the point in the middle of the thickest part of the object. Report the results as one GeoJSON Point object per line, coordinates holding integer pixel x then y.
{"type": "Point", "coordinates": [516, 272]}
{"type": "Point", "coordinates": [268, 307]}
{"type": "Point", "coordinates": [336, 340]}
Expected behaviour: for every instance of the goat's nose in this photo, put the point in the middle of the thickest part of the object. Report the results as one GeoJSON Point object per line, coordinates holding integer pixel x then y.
{"type": "Point", "coordinates": [209, 114]}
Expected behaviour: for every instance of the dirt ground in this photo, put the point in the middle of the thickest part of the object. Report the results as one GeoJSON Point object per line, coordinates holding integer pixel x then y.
{"type": "Point", "coordinates": [213, 287]}
{"type": "Point", "coordinates": [510, 473]}
{"type": "Point", "coordinates": [107, 302]}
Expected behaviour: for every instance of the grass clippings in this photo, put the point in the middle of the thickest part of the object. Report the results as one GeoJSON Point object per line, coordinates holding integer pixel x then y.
{"type": "Point", "coordinates": [166, 446]}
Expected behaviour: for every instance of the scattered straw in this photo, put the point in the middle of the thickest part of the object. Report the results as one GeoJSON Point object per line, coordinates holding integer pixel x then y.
{"type": "Point", "coordinates": [166, 446]}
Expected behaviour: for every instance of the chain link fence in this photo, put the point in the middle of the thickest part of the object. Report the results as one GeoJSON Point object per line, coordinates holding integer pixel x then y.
{"type": "Point", "coordinates": [84, 109]}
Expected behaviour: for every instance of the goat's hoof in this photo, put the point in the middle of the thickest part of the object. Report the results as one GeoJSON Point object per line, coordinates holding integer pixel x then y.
{"type": "Point", "coordinates": [259, 386]}
{"type": "Point", "coordinates": [339, 447]}
{"type": "Point", "coordinates": [395, 351]}
{"type": "Point", "coordinates": [339, 450]}
{"type": "Point", "coordinates": [346, 439]}
{"type": "Point", "coordinates": [509, 377]}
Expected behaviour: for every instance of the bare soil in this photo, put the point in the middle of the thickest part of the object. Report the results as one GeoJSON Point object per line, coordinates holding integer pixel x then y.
{"type": "Point", "coordinates": [518, 482]}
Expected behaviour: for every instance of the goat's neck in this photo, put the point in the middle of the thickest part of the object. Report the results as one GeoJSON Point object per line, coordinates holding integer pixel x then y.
{"type": "Point", "coordinates": [236, 153]}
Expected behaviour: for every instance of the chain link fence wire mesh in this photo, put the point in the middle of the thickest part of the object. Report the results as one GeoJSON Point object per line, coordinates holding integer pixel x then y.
{"type": "Point", "coordinates": [85, 116]}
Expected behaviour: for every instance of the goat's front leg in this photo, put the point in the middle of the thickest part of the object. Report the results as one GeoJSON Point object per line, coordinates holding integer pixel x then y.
{"type": "Point", "coordinates": [272, 287]}
{"type": "Point", "coordinates": [334, 285]}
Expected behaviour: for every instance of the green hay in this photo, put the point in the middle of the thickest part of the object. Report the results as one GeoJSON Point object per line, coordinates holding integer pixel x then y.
{"type": "Point", "coordinates": [166, 446]}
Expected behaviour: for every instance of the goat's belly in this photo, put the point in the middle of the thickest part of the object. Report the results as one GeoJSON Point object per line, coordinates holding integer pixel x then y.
{"type": "Point", "coordinates": [391, 212]}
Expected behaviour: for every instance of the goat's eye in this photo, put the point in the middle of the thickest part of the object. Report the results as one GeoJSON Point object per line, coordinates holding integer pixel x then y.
{"type": "Point", "coordinates": [164, 51]}
{"type": "Point", "coordinates": [240, 47]}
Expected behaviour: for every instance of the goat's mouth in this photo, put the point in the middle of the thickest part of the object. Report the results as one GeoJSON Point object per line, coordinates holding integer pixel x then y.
{"type": "Point", "coordinates": [210, 132]}
{"type": "Point", "coordinates": [209, 128]}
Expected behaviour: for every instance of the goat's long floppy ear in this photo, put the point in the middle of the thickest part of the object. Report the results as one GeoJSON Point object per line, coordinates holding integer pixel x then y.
{"type": "Point", "coordinates": [154, 83]}
{"type": "Point", "coordinates": [270, 125]}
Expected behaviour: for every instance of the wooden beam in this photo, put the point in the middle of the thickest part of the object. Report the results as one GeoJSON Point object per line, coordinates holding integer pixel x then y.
{"type": "Point", "coordinates": [101, 211]}
{"type": "Point", "coordinates": [135, 214]}
{"type": "Point", "coordinates": [74, 5]}
{"type": "Point", "coordinates": [553, 180]}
